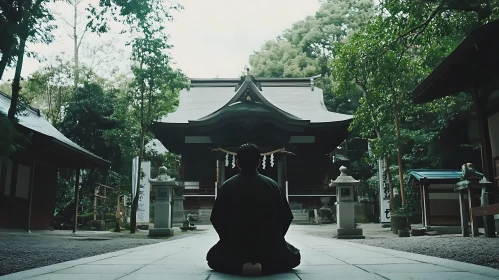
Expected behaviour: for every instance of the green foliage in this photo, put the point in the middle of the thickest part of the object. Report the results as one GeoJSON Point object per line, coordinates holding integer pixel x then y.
{"type": "Point", "coordinates": [88, 116]}
{"type": "Point", "coordinates": [306, 48]}
{"type": "Point", "coordinates": [10, 138]}
{"type": "Point", "coordinates": [134, 13]}
{"type": "Point", "coordinates": [64, 195]}
{"type": "Point", "coordinates": [390, 56]}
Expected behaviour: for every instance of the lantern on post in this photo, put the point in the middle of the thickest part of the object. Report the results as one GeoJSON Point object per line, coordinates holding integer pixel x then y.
{"type": "Point", "coordinates": [345, 206]}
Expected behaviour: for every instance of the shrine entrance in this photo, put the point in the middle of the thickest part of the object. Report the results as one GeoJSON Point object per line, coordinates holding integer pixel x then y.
{"type": "Point", "coordinates": [269, 171]}
{"type": "Point", "coordinates": [286, 118]}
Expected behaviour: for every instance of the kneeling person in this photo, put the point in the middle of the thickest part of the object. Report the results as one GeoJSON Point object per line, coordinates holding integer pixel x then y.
{"type": "Point", "coordinates": [251, 216]}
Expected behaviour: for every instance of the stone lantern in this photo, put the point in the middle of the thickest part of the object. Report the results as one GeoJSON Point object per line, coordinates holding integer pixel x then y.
{"type": "Point", "coordinates": [163, 185]}
{"type": "Point", "coordinates": [345, 206]}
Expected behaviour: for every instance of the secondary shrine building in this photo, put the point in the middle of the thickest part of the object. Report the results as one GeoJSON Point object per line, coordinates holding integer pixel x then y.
{"type": "Point", "coordinates": [286, 118]}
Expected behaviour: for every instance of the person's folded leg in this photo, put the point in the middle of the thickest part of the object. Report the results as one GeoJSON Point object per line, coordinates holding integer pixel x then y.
{"type": "Point", "coordinates": [281, 264]}
{"type": "Point", "coordinates": [219, 261]}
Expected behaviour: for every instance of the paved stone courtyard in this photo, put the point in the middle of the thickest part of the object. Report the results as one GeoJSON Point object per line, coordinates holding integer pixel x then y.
{"type": "Point", "coordinates": [322, 258]}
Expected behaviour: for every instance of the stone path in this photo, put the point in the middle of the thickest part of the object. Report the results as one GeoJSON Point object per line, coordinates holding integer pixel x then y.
{"type": "Point", "coordinates": [322, 258]}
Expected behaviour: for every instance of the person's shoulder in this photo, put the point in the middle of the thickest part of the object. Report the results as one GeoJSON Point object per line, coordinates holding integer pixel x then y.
{"type": "Point", "coordinates": [269, 180]}
{"type": "Point", "coordinates": [230, 182]}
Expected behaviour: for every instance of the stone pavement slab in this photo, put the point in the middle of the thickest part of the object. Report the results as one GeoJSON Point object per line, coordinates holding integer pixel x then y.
{"type": "Point", "coordinates": [322, 258]}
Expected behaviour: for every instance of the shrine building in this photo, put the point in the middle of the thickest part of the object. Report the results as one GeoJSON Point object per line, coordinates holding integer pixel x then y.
{"type": "Point", "coordinates": [285, 117]}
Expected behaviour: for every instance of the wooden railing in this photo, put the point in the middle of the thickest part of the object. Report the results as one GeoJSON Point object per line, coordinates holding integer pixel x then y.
{"type": "Point", "coordinates": [312, 190]}
{"type": "Point", "coordinates": [204, 190]}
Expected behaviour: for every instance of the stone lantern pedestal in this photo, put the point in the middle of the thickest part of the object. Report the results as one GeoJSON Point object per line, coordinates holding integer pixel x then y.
{"type": "Point", "coordinates": [345, 206]}
{"type": "Point", "coordinates": [178, 215]}
{"type": "Point", "coordinates": [163, 185]}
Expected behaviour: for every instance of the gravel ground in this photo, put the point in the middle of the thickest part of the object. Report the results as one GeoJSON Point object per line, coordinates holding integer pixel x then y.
{"type": "Point", "coordinates": [476, 250]}
{"type": "Point", "coordinates": [22, 251]}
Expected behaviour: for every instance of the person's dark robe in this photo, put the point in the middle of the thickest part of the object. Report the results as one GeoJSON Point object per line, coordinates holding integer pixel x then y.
{"type": "Point", "coordinates": [251, 216]}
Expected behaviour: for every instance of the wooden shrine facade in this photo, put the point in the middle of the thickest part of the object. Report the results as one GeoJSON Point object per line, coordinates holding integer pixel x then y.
{"type": "Point", "coordinates": [286, 118]}
{"type": "Point", "coordinates": [473, 67]}
{"type": "Point", "coordinates": [28, 179]}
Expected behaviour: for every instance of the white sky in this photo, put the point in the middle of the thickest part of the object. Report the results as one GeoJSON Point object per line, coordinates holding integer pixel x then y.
{"type": "Point", "coordinates": [211, 37]}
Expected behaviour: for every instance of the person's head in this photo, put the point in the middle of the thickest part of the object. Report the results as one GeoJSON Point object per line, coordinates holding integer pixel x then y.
{"type": "Point", "coordinates": [248, 157]}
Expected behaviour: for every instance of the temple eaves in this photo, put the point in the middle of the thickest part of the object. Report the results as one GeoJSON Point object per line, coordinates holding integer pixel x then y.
{"type": "Point", "coordinates": [260, 82]}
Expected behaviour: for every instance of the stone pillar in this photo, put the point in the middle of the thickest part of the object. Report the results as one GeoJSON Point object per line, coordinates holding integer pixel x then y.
{"type": "Point", "coordinates": [162, 212]}
{"type": "Point", "coordinates": [345, 206]}
{"type": "Point", "coordinates": [163, 185]}
{"type": "Point", "coordinates": [178, 205]}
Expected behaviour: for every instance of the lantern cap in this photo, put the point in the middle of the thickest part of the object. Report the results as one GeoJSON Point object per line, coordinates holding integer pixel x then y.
{"type": "Point", "coordinates": [344, 178]}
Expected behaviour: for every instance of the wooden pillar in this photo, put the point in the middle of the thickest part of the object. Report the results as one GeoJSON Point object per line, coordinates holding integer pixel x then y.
{"type": "Point", "coordinates": [31, 190]}
{"type": "Point", "coordinates": [77, 182]}
{"type": "Point", "coordinates": [95, 203]}
{"type": "Point", "coordinates": [280, 171]}
{"type": "Point", "coordinates": [4, 165]}
{"type": "Point", "coordinates": [220, 170]}
{"type": "Point", "coordinates": [487, 162]}
{"type": "Point", "coordinates": [427, 213]}
{"type": "Point", "coordinates": [118, 211]}
{"type": "Point", "coordinates": [465, 215]}
{"type": "Point", "coordinates": [182, 168]}
{"type": "Point", "coordinates": [474, 225]}
{"type": "Point", "coordinates": [421, 195]}
{"type": "Point", "coordinates": [282, 176]}
{"type": "Point", "coordinates": [12, 196]}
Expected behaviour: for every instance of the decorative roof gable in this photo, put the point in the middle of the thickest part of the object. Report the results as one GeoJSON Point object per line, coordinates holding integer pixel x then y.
{"type": "Point", "coordinates": [248, 91]}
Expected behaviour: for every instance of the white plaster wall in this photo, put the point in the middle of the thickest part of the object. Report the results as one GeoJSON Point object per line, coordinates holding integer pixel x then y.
{"type": "Point", "coordinates": [494, 134]}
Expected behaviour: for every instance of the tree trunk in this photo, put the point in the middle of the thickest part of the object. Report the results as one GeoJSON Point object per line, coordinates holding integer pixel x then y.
{"type": "Point", "coordinates": [3, 62]}
{"type": "Point", "coordinates": [378, 135]}
{"type": "Point", "coordinates": [17, 78]}
{"type": "Point", "coordinates": [23, 36]}
{"type": "Point", "coordinates": [75, 42]}
{"type": "Point", "coordinates": [135, 203]}
{"type": "Point", "coordinates": [399, 151]}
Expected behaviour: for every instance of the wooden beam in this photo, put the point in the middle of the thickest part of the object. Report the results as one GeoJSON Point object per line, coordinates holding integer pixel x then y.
{"type": "Point", "coordinates": [108, 187]}
{"type": "Point", "coordinates": [77, 182]}
{"type": "Point", "coordinates": [487, 210]}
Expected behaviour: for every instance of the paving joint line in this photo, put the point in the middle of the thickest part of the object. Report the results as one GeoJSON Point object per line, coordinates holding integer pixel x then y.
{"type": "Point", "coordinates": [126, 274]}
{"type": "Point", "coordinates": [370, 272]}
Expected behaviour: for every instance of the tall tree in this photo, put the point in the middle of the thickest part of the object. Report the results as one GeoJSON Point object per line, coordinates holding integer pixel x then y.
{"type": "Point", "coordinates": [155, 84]}
{"type": "Point", "coordinates": [34, 25]}
{"type": "Point", "coordinates": [152, 89]}
{"type": "Point", "coordinates": [10, 15]}
{"type": "Point", "coordinates": [386, 61]}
